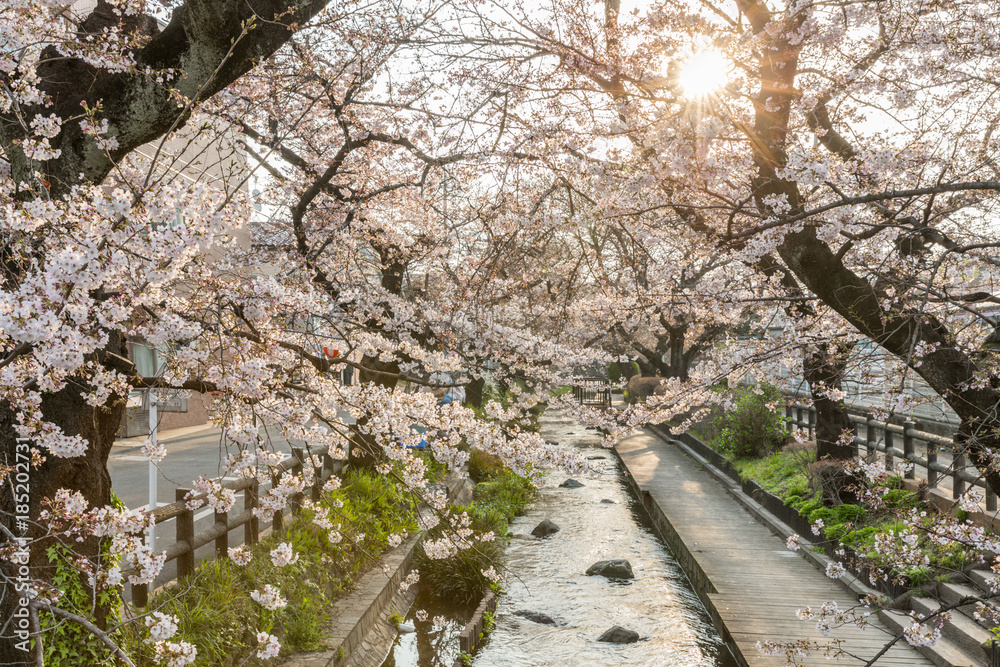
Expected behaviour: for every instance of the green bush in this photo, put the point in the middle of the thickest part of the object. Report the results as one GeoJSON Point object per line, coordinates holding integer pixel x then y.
{"type": "Point", "coordinates": [614, 372]}
{"type": "Point", "coordinates": [67, 643]}
{"type": "Point", "coordinates": [460, 578]}
{"type": "Point", "coordinates": [484, 466]}
{"type": "Point", "coordinates": [752, 429]}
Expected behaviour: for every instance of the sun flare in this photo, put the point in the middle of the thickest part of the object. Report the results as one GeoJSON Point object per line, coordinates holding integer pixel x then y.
{"type": "Point", "coordinates": [703, 73]}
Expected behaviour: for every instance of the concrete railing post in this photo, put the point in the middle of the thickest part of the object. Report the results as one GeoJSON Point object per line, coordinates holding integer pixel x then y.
{"type": "Point", "coordinates": [958, 467]}
{"type": "Point", "coordinates": [251, 529]}
{"type": "Point", "coordinates": [870, 436]}
{"type": "Point", "coordinates": [932, 453]}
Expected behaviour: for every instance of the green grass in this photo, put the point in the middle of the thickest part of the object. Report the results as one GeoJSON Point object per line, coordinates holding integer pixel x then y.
{"type": "Point", "coordinates": [213, 605]}
{"type": "Point", "coordinates": [782, 473]}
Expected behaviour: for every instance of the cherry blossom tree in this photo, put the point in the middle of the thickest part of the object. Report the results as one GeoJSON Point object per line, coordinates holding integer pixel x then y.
{"type": "Point", "coordinates": [113, 232]}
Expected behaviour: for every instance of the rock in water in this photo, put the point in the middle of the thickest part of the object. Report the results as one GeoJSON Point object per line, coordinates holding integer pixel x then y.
{"type": "Point", "coordinates": [597, 458]}
{"type": "Point", "coordinates": [607, 501]}
{"type": "Point", "coordinates": [535, 617]}
{"type": "Point", "coordinates": [545, 528]}
{"type": "Point", "coordinates": [571, 484]}
{"type": "Point", "coordinates": [405, 628]}
{"type": "Point", "coordinates": [619, 635]}
{"type": "Point", "coordinates": [618, 568]}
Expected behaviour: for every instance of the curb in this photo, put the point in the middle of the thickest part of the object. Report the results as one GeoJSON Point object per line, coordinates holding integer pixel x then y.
{"type": "Point", "coordinates": [364, 610]}
{"type": "Point", "coordinates": [469, 641]}
{"type": "Point", "coordinates": [361, 632]}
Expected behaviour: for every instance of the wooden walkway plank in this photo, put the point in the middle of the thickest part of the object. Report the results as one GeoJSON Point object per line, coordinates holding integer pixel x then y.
{"type": "Point", "coordinates": [752, 585]}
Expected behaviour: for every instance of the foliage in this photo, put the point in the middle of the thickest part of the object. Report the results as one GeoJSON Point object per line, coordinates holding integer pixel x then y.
{"type": "Point", "coordinates": [614, 372]}
{"type": "Point", "coordinates": [461, 578]}
{"type": "Point", "coordinates": [753, 427]}
{"type": "Point", "coordinates": [213, 604]}
{"type": "Point", "coordinates": [506, 492]}
{"type": "Point", "coordinates": [786, 474]}
{"type": "Point", "coordinates": [630, 370]}
{"type": "Point", "coordinates": [65, 642]}
{"type": "Point", "coordinates": [483, 465]}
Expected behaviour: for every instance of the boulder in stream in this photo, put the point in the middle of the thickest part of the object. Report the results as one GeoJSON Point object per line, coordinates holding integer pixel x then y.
{"type": "Point", "coordinates": [608, 501]}
{"type": "Point", "coordinates": [597, 458]}
{"type": "Point", "coordinates": [617, 568]}
{"type": "Point", "coordinates": [571, 484]}
{"type": "Point", "coordinates": [619, 635]}
{"type": "Point", "coordinates": [545, 528]}
{"type": "Point", "coordinates": [535, 617]}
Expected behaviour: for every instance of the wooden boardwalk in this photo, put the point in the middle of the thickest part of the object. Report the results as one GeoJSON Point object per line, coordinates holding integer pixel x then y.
{"type": "Point", "coordinates": [750, 582]}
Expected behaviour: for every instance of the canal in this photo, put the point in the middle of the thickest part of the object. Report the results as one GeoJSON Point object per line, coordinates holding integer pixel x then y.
{"type": "Point", "coordinates": [598, 521]}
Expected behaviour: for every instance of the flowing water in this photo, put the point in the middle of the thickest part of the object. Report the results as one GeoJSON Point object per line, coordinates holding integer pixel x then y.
{"type": "Point", "coordinates": [599, 521]}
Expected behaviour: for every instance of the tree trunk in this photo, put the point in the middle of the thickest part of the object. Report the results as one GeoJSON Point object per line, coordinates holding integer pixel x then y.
{"type": "Point", "coordinates": [474, 391]}
{"type": "Point", "coordinates": [823, 369]}
{"type": "Point", "coordinates": [365, 452]}
{"type": "Point", "coordinates": [87, 474]}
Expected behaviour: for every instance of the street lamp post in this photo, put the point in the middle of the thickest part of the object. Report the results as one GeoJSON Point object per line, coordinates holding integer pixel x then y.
{"type": "Point", "coordinates": [151, 534]}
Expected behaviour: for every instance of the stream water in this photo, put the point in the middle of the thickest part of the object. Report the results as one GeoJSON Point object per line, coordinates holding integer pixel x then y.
{"type": "Point", "coordinates": [599, 521]}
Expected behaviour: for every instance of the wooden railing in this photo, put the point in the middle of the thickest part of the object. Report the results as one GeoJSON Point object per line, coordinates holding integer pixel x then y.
{"type": "Point", "coordinates": [186, 542]}
{"type": "Point", "coordinates": [918, 447]}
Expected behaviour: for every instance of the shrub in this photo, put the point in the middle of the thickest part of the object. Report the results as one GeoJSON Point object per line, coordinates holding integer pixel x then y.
{"type": "Point", "coordinates": [460, 578]}
{"type": "Point", "coordinates": [67, 643]}
{"type": "Point", "coordinates": [484, 466]}
{"type": "Point", "coordinates": [630, 370]}
{"type": "Point", "coordinates": [614, 372]}
{"type": "Point", "coordinates": [752, 428]}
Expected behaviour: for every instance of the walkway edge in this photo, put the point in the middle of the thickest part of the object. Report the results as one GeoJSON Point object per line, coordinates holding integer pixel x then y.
{"type": "Point", "coordinates": [689, 561]}
{"type": "Point", "coordinates": [363, 615]}
{"type": "Point", "coordinates": [942, 653]}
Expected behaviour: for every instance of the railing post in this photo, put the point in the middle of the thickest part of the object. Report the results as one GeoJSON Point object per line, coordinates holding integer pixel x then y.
{"type": "Point", "coordinates": [908, 448]}
{"type": "Point", "coordinates": [932, 475]}
{"type": "Point", "coordinates": [854, 438]}
{"type": "Point", "coordinates": [811, 416]}
{"type": "Point", "coordinates": [297, 469]}
{"type": "Point", "coordinates": [799, 422]}
{"type": "Point", "coordinates": [889, 444]}
{"type": "Point", "coordinates": [958, 466]}
{"type": "Point", "coordinates": [991, 499]}
{"type": "Point", "coordinates": [870, 436]}
{"type": "Point", "coordinates": [789, 419]}
{"type": "Point", "coordinates": [316, 490]}
{"type": "Point", "coordinates": [185, 533]}
{"type": "Point", "coordinates": [278, 518]}
{"type": "Point", "coordinates": [222, 541]}
{"type": "Point", "coordinates": [251, 529]}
